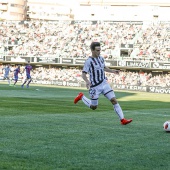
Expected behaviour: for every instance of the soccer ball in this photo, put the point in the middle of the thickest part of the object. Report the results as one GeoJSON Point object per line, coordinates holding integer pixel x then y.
{"type": "Point", "coordinates": [166, 126]}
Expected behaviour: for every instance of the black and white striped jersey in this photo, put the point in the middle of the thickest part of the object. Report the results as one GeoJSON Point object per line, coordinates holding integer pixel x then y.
{"type": "Point", "coordinates": [95, 68]}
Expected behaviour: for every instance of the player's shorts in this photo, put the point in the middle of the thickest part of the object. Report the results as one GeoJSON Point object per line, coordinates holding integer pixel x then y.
{"type": "Point", "coordinates": [103, 88]}
{"type": "Point", "coordinates": [6, 76]}
{"type": "Point", "coordinates": [28, 76]}
{"type": "Point", "coordinates": [16, 78]}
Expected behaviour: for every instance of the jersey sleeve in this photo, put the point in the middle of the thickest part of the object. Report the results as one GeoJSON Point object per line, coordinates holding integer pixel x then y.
{"type": "Point", "coordinates": [86, 66]}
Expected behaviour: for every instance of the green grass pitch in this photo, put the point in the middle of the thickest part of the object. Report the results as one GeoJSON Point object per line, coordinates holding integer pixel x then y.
{"type": "Point", "coordinates": [43, 130]}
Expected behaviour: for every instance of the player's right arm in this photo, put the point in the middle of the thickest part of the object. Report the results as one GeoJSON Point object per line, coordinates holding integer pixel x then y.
{"type": "Point", "coordinates": [84, 73]}
{"type": "Point", "coordinates": [84, 76]}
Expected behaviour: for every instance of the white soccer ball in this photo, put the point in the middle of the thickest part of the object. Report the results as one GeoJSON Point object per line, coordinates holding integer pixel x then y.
{"type": "Point", "coordinates": [166, 126]}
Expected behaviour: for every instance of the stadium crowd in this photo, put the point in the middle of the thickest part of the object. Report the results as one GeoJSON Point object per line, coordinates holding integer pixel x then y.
{"type": "Point", "coordinates": [124, 77]}
{"type": "Point", "coordinates": [138, 78]}
{"type": "Point", "coordinates": [72, 40]}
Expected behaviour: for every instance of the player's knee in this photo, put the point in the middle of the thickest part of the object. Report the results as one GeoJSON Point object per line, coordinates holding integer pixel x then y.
{"type": "Point", "coordinates": [113, 101]}
{"type": "Point", "coordinates": [93, 107]}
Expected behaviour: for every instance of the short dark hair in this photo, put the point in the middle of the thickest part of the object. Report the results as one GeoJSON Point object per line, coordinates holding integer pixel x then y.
{"type": "Point", "coordinates": [94, 44]}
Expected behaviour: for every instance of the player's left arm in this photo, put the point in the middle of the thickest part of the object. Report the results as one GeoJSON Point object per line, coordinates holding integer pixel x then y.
{"type": "Point", "coordinates": [111, 70]}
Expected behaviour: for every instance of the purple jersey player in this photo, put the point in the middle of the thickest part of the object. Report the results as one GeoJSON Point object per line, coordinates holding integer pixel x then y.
{"type": "Point", "coordinates": [28, 79]}
{"type": "Point", "coordinates": [16, 71]}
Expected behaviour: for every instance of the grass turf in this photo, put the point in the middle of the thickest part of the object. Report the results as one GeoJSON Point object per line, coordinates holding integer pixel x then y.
{"type": "Point", "coordinates": [43, 130]}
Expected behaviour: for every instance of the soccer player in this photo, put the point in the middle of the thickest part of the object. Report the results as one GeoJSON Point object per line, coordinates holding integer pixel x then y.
{"type": "Point", "coordinates": [97, 83]}
{"type": "Point", "coordinates": [16, 71]}
{"type": "Point", "coordinates": [6, 70]}
{"type": "Point", "coordinates": [28, 79]}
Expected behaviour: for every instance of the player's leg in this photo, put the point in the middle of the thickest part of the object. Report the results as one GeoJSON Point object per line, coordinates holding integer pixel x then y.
{"type": "Point", "coordinates": [29, 80]}
{"type": "Point", "coordinates": [15, 80]}
{"type": "Point", "coordinates": [109, 94]}
{"type": "Point", "coordinates": [8, 79]}
{"type": "Point", "coordinates": [24, 82]}
{"type": "Point", "coordinates": [94, 95]}
{"type": "Point", "coordinates": [82, 97]}
{"type": "Point", "coordinates": [12, 79]}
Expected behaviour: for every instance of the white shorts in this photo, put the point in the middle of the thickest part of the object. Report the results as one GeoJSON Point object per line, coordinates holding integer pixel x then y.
{"type": "Point", "coordinates": [103, 88]}
{"type": "Point", "coordinates": [6, 76]}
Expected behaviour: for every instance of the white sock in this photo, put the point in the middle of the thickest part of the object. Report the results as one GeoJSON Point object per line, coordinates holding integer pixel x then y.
{"type": "Point", "coordinates": [86, 101]}
{"type": "Point", "coordinates": [9, 82]}
{"type": "Point", "coordinates": [118, 110]}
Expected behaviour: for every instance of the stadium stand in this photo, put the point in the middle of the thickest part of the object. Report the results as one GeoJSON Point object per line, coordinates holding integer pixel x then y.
{"type": "Point", "coordinates": [70, 39]}
{"type": "Point", "coordinates": [137, 43]}
{"type": "Point", "coordinates": [134, 78]}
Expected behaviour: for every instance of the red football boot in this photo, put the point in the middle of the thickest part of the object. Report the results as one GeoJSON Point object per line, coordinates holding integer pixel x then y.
{"type": "Point", "coordinates": [79, 97]}
{"type": "Point", "coordinates": [125, 121]}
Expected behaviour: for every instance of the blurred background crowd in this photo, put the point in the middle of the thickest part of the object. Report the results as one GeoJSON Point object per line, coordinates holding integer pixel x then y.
{"type": "Point", "coordinates": [71, 40]}
{"type": "Point", "coordinates": [138, 78]}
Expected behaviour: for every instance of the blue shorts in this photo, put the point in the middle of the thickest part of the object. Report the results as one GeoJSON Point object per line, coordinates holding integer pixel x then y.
{"type": "Point", "coordinates": [28, 76]}
{"type": "Point", "coordinates": [16, 78]}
